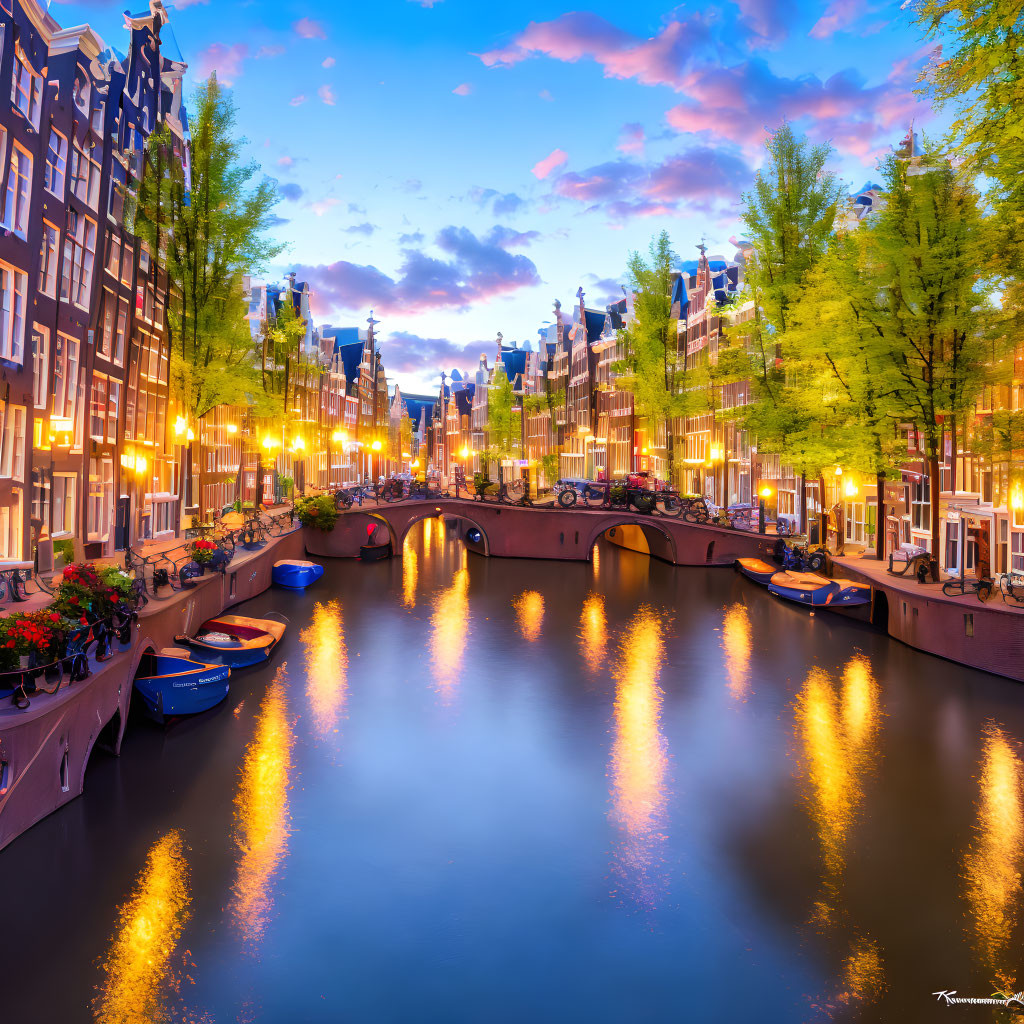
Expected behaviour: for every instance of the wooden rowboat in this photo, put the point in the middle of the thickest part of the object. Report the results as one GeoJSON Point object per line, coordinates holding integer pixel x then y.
{"type": "Point", "coordinates": [171, 684]}
{"type": "Point", "coordinates": [235, 640]}
{"type": "Point", "coordinates": [757, 570]}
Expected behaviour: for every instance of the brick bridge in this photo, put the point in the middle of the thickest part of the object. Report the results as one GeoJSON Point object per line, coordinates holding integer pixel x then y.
{"type": "Point", "coordinates": [512, 531]}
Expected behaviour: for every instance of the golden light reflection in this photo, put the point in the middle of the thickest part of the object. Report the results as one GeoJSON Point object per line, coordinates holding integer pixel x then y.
{"type": "Point", "coordinates": [262, 816]}
{"type": "Point", "coordinates": [449, 627]}
{"type": "Point", "coordinates": [138, 971]}
{"type": "Point", "coordinates": [593, 633]}
{"type": "Point", "coordinates": [736, 643]}
{"type": "Point", "coordinates": [410, 574]}
{"type": "Point", "coordinates": [326, 666]}
{"type": "Point", "coordinates": [529, 608]}
{"type": "Point", "coordinates": [863, 979]}
{"type": "Point", "coordinates": [596, 560]}
{"type": "Point", "coordinates": [639, 761]}
{"type": "Point", "coordinates": [993, 864]}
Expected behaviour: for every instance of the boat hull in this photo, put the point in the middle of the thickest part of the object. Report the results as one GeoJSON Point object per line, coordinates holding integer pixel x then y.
{"type": "Point", "coordinates": [296, 575]}
{"type": "Point", "coordinates": [756, 570]}
{"type": "Point", "coordinates": [242, 642]}
{"type": "Point", "coordinates": [811, 597]}
{"type": "Point", "coordinates": [180, 686]}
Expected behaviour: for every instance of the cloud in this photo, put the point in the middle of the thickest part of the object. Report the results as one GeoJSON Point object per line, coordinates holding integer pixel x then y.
{"type": "Point", "coordinates": [503, 204]}
{"type": "Point", "coordinates": [356, 208]}
{"type": "Point", "coordinates": [839, 14]}
{"type": "Point", "coordinates": [463, 90]}
{"type": "Point", "coordinates": [285, 161]}
{"type": "Point", "coordinates": [328, 62]}
{"type": "Point", "coordinates": [632, 139]}
{"type": "Point", "coordinates": [307, 28]}
{"type": "Point", "coordinates": [509, 238]}
{"type": "Point", "coordinates": [608, 288]}
{"type": "Point", "coordinates": [554, 159]}
{"type": "Point", "coordinates": [269, 51]}
{"type": "Point", "coordinates": [411, 354]}
{"type": "Point", "coordinates": [321, 206]}
{"type": "Point", "coordinates": [326, 94]}
{"type": "Point", "coordinates": [411, 238]}
{"type": "Point", "coordinates": [701, 178]}
{"type": "Point", "coordinates": [472, 270]}
{"type": "Point", "coordinates": [580, 35]}
{"type": "Point", "coordinates": [425, 3]}
{"type": "Point", "coordinates": [274, 221]}
{"type": "Point", "coordinates": [225, 60]}
{"type": "Point", "coordinates": [291, 191]}
{"type": "Point", "coordinates": [366, 228]}
{"type": "Point", "coordinates": [545, 95]}
{"type": "Point", "coordinates": [769, 20]}
{"type": "Point", "coordinates": [297, 101]}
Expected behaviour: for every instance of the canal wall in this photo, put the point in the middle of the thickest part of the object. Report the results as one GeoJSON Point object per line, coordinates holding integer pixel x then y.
{"type": "Point", "coordinates": [45, 748]}
{"type": "Point", "coordinates": [509, 531]}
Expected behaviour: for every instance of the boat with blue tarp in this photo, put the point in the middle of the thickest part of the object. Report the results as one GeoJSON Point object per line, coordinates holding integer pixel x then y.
{"type": "Point", "coordinates": [171, 684]}
{"type": "Point", "coordinates": [296, 573]}
{"type": "Point", "coordinates": [814, 591]}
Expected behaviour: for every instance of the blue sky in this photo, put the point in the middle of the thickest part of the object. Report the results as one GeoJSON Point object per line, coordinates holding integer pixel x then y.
{"type": "Point", "coordinates": [458, 165]}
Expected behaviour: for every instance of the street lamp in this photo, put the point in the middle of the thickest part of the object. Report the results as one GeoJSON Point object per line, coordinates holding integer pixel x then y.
{"type": "Point", "coordinates": [764, 494]}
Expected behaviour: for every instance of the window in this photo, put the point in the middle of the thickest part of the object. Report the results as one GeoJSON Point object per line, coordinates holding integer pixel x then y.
{"type": "Point", "coordinates": [56, 163]}
{"type": "Point", "coordinates": [113, 253]}
{"type": "Point", "coordinates": [19, 196]}
{"type": "Point", "coordinates": [122, 328]}
{"type": "Point", "coordinates": [101, 498]}
{"type": "Point", "coordinates": [65, 377]}
{"type": "Point", "coordinates": [81, 92]}
{"type": "Point", "coordinates": [26, 89]}
{"type": "Point", "coordinates": [98, 113]}
{"type": "Point", "coordinates": [49, 253]}
{"type": "Point", "coordinates": [113, 402]}
{"type": "Point", "coordinates": [79, 256]}
{"type": "Point", "coordinates": [63, 503]}
{"type": "Point", "coordinates": [13, 288]}
{"type": "Point", "coordinates": [920, 503]}
{"type": "Point", "coordinates": [85, 177]}
{"type": "Point", "coordinates": [12, 456]}
{"type": "Point", "coordinates": [107, 330]}
{"type": "Point", "coordinates": [98, 412]}
{"type": "Point", "coordinates": [40, 365]}
{"type": "Point", "coordinates": [1017, 552]}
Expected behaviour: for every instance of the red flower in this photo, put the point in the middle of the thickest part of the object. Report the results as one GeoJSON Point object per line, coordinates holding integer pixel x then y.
{"type": "Point", "coordinates": [84, 621]}
{"type": "Point", "coordinates": [115, 598]}
{"type": "Point", "coordinates": [74, 600]}
{"type": "Point", "coordinates": [10, 643]}
{"type": "Point", "coordinates": [54, 617]}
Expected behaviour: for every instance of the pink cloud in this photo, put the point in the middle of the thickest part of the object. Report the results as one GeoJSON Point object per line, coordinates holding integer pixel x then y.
{"type": "Point", "coordinates": [463, 90]}
{"type": "Point", "coordinates": [554, 159]}
{"type": "Point", "coordinates": [286, 161]}
{"type": "Point", "coordinates": [326, 94]}
{"type": "Point", "coordinates": [632, 139]}
{"type": "Point", "coordinates": [581, 35]}
{"type": "Point", "coordinates": [225, 60]}
{"type": "Point", "coordinates": [328, 62]}
{"type": "Point", "coordinates": [297, 101]}
{"type": "Point", "coordinates": [307, 28]}
{"type": "Point", "coordinates": [322, 206]}
{"type": "Point", "coordinates": [839, 14]}
{"type": "Point", "coordinates": [769, 20]}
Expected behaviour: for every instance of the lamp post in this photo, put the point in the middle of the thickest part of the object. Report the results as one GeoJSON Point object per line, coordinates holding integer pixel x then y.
{"type": "Point", "coordinates": [763, 495]}
{"type": "Point", "coordinates": [375, 448]}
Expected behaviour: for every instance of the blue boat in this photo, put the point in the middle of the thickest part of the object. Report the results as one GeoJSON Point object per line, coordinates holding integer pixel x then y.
{"type": "Point", "coordinates": [296, 574]}
{"type": "Point", "coordinates": [234, 640]}
{"type": "Point", "coordinates": [808, 588]}
{"type": "Point", "coordinates": [171, 684]}
{"type": "Point", "coordinates": [757, 570]}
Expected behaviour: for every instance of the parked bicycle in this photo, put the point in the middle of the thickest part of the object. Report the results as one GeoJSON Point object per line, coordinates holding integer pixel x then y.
{"type": "Point", "coordinates": [919, 565]}
{"type": "Point", "coordinates": [963, 585]}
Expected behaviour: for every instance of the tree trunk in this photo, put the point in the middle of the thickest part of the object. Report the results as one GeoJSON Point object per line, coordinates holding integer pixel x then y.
{"type": "Point", "coordinates": [933, 483]}
{"type": "Point", "coordinates": [803, 504]}
{"type": "Point", "coordinates": [822, 512]}
{"type": "Point", "coordinates": [880, 516]}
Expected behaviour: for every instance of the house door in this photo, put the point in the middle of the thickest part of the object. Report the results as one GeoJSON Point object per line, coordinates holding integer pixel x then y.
{"type": "Point", "coordinates": [953, 547]}
{"type": "Point", "coordinates": [121, 521]}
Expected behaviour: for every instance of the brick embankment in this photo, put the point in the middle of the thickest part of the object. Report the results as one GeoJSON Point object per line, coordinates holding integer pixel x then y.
{"type": "Point", "coordinates": [44, 749]}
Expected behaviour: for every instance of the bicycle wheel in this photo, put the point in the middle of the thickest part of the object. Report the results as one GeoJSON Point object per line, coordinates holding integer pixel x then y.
{"type": "Point", "coordinates": [950, 587]}
{"type": "Point", "coordinates": [567, 498]}
{"type": "Point", "coordinates": [594, 496]}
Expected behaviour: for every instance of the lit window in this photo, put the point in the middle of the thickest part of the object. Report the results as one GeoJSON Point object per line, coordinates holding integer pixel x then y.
{"type": "Point", "coordinates": [79, 258]}
{"type": "Point", "coordinates": [40, 365]}
{"type": "Point", "coordinates": [18, 197]}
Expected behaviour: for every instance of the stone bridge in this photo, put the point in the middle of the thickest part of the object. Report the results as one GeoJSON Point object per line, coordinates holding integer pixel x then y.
{"type": "Point", "coordinates": [513, 531]}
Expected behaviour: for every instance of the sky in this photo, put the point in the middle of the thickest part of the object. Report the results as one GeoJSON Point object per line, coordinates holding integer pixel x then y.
{"type": "Point", "coordinates": [457, 165]}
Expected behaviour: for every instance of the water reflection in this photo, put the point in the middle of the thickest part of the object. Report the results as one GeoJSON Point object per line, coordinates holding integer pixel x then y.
{"type": "Point", "coordinates": [449, 627]}
{"type": "Point", "coordinates": [262, 815]}
{"type": "Point", "coordinates": [736, 643]}
{"type": "Point", "coordinates": [139, 975]}
{"type": "Point", "coordinates": [639, 760]}
{"type": "Point", "coordinates": [326, 666]}
{"type": "Point", "coordinates": [992, 866]}
{"type": "Point", "coordinates": [593, 633]}
{"type": "Point", "coordinates": [410, 573]}
{"type": "Point", "coordinates": [529, 608]}
{"type": "Point", "coordinates": [838, 729]}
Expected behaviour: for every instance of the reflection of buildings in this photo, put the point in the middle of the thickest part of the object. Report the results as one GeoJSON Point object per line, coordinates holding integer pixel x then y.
{"type": "Point", "coordinates": [326, 666]}
{"type": "Point", "coordinates": [449, 626]}
{"type": "Point", "coordinates": [837, 731]}
{"type": "Point", "coordinates": [138, 970]}
{"type": "Point", "coordinates": [639, 761]}
{"type": "Point", "coordinates": [530, 614]}
{"type": "Point", "coordinates": [736, 644]}
{"type": "Point", "coordinates": [593, 631]}
{"type": "Point", "coordinates": [992, 867]}
{"type": "Point", "coordinates": [262, 817]}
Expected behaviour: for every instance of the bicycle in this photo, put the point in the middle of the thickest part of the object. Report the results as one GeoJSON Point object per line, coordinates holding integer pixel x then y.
{"type": "Point", "coordinates": [963, 586]}
{"type": "Point", "coordinates": [513, 493]}
{"type": "Point", "coordinates": [1011, 586]}
{"type": "Point", "coordinates": [919, 565]}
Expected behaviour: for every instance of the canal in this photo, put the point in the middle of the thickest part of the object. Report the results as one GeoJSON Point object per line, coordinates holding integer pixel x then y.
{"type": "Point", "coordinates": [481, 790]}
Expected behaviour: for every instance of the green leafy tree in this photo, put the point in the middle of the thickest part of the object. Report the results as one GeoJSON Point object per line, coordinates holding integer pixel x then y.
{"type": "Point", "coordinates": [208, 234]}
{"type": "Point", "coordinates": [654, 369]}
{"type": "Point", "coordinates": [503, 437]}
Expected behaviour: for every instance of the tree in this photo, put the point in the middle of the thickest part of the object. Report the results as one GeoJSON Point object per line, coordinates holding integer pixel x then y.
{"type": "Point", "coordinates": [502, 419]}
{"type": "Point", "coordinates": [653, 369]}
{"type": "Point", "coordinates": [208, 231]}
{"type": "Point", "coordinates": [789, 216]}
{"type": "Point", "coordinates": [925, 262]}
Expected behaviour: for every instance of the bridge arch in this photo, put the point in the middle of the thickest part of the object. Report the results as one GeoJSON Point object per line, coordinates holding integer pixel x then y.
{"type": "Point", "coordinates": [639, 533]}
{"type": "Point", "coordinates": [480, 544]}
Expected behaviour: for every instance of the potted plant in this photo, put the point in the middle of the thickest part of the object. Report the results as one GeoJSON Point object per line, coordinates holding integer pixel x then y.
{"type": "Point", "coordinates": [480, 484]}
{"type": "Point", "coordinates": [80, 596]}
{"type": "Point", "coordinates": [319, 512]}
{"type": "Point", "coordinates": [31, 639]}
{"type": "Point", "coordinates": [202, 552]}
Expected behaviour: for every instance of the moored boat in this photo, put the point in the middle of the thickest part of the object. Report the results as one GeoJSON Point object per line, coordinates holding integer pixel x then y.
{"type": "Point", "coordinates": [296, 573]}
{"type": "Point", "coordinates": [757, 570]}
{"type": "Point", "coordinates": [235, 640]}
{"type": "Point", "coordinates": [171, 684]}
{"type": "Point", "coordinates": [806, 588]}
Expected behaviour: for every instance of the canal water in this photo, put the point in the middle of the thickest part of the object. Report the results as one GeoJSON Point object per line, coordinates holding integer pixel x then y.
{"type": "Point", "coordinates": [484, 790]}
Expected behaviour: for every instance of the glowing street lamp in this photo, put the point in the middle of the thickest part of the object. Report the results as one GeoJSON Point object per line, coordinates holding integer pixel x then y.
{"type": "Point", "coordinates": [851, 488]}
{"type": "Point", "coordinates": [765, 493]}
